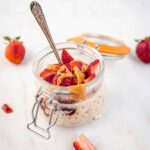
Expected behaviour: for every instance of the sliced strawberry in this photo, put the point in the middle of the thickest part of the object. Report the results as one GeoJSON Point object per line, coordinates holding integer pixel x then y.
{"type": "Point", "coordinates": [82, 143]}
{"type": "Point", "coordinates": [50, 68]}
{"type": "Point", "coordinates": [92, 67]}
{"type": "Point", "coordinates": [76, 64]}
{"type": "Point", "coordinates": [55, 79]}
{"type": "Point", "coordinates": [77, 145]}
{"type": "Point", "coordinates": [49, 77]}
{"type": "Point", "coordinates": [45, 73]}
{"type": "Point", "coordinates": [91, 77]}
{"type": "Point", "coordinates": [66, 57]}
{"type": "Point", "coordinates": [7, 109]}
{"type": "Point", "coordinates": [68, 66]}
{"type": "Point", "coordinates": [67, 81]}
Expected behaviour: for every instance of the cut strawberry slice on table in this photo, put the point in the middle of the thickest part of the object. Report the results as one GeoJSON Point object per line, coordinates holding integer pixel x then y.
{"type": "Point", "coordinates": [66, 57]}
{"type": "Point", "coordinates": [82, 143]}
{"type": "Point", "coordinates": [92, 67]}
{"type": "Point", "coordinates": [7, 109]}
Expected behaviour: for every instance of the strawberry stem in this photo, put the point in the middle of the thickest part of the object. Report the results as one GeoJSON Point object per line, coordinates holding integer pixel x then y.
{"type": "Point", "coordinates": [147, 37]}
{"type": "Point", "coordinates": [137, 40]}
{"type": "Point", "coordinates": [17, 38]}
{"type": "Point", "coordinates": [7, 38]}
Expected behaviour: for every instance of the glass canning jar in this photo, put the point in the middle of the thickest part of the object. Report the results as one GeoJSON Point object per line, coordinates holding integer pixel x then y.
{"type": "Point", "coordinates": [67, 106]}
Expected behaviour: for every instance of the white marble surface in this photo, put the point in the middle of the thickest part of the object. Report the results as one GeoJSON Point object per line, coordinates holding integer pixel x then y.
{"type": "Point", "coordinates": [125, 122]}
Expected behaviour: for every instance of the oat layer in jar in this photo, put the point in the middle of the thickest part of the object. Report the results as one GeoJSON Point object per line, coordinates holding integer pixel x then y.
{"type": "Point", "coordinates": [72, 105]}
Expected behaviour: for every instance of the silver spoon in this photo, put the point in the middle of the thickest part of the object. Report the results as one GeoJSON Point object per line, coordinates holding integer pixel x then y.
{"type": "Point", "coordinates": [40, 18]}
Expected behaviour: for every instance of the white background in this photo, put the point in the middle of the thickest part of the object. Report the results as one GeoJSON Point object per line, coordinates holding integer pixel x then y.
{"type": "Point", "coordinates": [125, 122]}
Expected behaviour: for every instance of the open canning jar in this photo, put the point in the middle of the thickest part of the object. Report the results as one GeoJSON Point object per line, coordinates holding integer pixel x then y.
{"type": "Point", "coordinates": [67, 106]}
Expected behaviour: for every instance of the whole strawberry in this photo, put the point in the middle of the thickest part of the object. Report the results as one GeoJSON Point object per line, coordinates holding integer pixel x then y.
{"type": "Point", "coordinates": [143, 50]}
{"type": "Point", "coordinates": [15, 51]}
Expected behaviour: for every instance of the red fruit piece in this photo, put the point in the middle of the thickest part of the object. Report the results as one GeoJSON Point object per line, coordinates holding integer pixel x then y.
{"type": "Point", "coordinates": [66, 57]}
{"type": "Point", "coordinates": [55, 78]}
{"type": "Point", "coordinates": [92, 67]}
{"type": "Point", "coordinates": [67, 81]}
{"type": "Point", "coordinates": [50, 77]}
{"type": "Point", "coordinates": [143, 50]}
{"type": "Point", "coordinates": [45, 73]}
{"type": "Point", "coordinates": [68, 66]}
{"type": "Point", "coordinates": [15, 50]}
{"type": "Point", "coordinates": [76, 64]}
{"type": "Point", "coordinates": [82, 143]}
{"type": "Point", "coordinates": [7, 109]}
{"type": "Point", "coordinates": [91, 77]}
{"type": "Point", "coordinates": [49, 69]}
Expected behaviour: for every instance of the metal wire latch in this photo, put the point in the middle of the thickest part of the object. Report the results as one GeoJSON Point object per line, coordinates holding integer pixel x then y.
{"type": "Point", "coordinates": [36, 129]}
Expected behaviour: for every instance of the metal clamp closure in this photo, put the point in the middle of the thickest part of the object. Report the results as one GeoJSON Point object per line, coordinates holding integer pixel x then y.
{"type": "Point", "coordinates": [43, 133]}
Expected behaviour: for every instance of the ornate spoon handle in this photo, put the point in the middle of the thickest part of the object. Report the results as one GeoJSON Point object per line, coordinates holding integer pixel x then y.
{"type": "Point", "coordinates": [40, 18]}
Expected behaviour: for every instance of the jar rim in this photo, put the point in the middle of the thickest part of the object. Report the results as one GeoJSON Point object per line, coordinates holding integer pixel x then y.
{"type": "Point", "coordinates": [48, 51]}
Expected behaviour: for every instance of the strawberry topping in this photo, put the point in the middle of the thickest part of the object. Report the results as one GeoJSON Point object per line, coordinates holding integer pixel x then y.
{"type": "Point", "coordinates": [67, 81]}
{"type": "Point", "coordinates": [92, 67]}
{"type": "Point", "coordinates": [91, 77]}
{"type": "Point", "coordinates": [49, 78]}
{"type": "Point", "coordinates": [45, 73]}
{"type": "Point", "coordinates": [73, 72]}
{"type": "Point", "coordinates": [68, 66]}
{"type": "Point", "coordinates": [55, 79]}
{"type": "Point", "coordinates": [66, 57]}
{"type": "Point", "coordinates": [76, 64]}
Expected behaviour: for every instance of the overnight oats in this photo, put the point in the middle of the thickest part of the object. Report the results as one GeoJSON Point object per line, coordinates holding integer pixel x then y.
{"type": "Point", "coordinates": [72, 92]}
